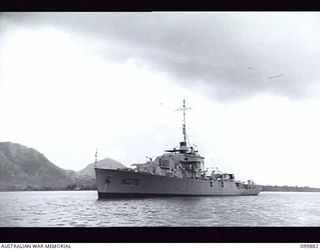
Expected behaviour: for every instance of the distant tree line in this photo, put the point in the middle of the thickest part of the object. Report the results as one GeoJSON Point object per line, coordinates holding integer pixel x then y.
{"type": "Point", "coordinates": [47, 188]}
{"type": "Point", "coordinates": [289, 189]}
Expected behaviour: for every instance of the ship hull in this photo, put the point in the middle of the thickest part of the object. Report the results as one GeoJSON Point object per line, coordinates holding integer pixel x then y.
{"type": "Point", "coordinates": [120, 183]}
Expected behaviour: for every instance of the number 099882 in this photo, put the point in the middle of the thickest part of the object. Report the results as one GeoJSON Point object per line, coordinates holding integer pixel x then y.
{"type": "Point", "coordinates": [315, 246]}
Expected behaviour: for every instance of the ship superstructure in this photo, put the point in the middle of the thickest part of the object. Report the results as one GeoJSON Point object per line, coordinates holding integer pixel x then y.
{"type": "Point", "coordinates": [178, 172]}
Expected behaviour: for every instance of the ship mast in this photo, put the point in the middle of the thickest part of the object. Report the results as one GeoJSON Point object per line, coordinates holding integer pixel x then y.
{"type": "Point", "coordinates": [96, 158]}
{"type": "Point", "coordinates": [184, 121]}
{"type": "Point", "coordinates": [184, 132]}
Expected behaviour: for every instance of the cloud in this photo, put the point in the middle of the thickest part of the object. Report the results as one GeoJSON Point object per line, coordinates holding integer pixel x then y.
{"type": "Point", "coordinates": [228, 56]}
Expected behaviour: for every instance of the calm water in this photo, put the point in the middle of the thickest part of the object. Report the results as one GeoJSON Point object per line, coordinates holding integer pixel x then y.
{"type": "Point", "coordinates": [82, 209]}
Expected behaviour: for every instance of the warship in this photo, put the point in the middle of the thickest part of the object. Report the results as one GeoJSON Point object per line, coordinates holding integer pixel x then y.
{"type": "Point", "coordinates": [178, 172]}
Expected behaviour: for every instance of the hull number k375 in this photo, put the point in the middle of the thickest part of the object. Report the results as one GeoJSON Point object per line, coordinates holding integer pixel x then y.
{"type": "Point", "coordinates": [130, 181]}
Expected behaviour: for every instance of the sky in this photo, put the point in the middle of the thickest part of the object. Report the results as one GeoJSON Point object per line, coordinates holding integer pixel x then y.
{"type": "Point", "coordinates": [74, 82]}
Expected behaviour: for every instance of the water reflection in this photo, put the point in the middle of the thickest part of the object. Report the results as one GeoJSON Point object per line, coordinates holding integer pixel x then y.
{"type": "Point", "coordinates": [82, 208]}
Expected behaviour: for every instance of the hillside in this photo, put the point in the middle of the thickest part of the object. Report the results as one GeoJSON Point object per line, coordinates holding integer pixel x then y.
{"type": "Point", "coordinates": [25, 168]}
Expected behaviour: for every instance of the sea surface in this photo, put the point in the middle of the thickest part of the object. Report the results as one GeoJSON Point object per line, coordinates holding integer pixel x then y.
{"type": "Point", "coordinates": [83, 209]}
